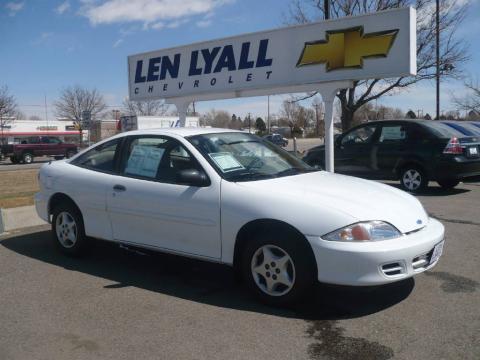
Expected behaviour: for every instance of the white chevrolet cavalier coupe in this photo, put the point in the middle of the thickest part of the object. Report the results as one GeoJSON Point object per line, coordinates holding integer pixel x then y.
{"type": "Point", "coordinates": [233, 198]}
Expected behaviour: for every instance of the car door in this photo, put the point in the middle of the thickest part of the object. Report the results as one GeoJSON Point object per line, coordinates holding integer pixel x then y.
{"type": "Point", "coordinates": [353, 151]}
{"type": "Point", "coordinates": [392, 147]}
{"type": "Point", "coordinates": [147, 206]}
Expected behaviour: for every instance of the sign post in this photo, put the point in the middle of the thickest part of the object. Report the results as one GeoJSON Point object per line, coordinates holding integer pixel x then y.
{"type": "Point", "coordinates": [324, 56]}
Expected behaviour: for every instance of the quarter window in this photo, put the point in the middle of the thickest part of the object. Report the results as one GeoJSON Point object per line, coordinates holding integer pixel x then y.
{"type": "Point", "coordinates": [101, 158]}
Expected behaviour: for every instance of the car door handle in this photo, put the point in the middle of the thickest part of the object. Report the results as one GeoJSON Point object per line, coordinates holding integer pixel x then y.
{"type": "Point", "coordinates": [119, 188]}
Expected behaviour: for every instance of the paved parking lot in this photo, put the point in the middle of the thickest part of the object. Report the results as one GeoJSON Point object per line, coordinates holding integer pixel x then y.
{"type": "Point", "coordinates": [119, 305]}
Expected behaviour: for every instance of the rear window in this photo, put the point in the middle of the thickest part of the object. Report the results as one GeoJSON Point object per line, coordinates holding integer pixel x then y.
{"type": "Point", "coordinates": [460, 127]}
{"type": "Point", "coordinates": [441, 130]}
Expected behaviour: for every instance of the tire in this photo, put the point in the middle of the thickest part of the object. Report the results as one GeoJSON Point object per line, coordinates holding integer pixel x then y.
{"type": "Point", "coordinates": [14, 160]}
{"type": "Point", "coordinates": [27, 158]}
{"type": "Point", "coordinates": [68, 231]}
{"type": "Point", "coordinates": [448, 184]}
{"type": "Point", "coordinates": [413, 179]}
{"type": "Point", "coordinates": [69, 154]}
{"type": "Point", "coordinates": [289, 258]}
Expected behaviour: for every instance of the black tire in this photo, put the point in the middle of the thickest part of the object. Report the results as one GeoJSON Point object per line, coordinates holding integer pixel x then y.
{"type": "Point", "coordinates": [448, 184]}
{"type": "Point", "coordinates": [69, 154]}
{"type": "Point", "coordinates": [58, 157]}
{"type": "Point", "coordinates": [14, 160]}
{"type": "Point", "coordinates": [80, 245]}
{"type": "Point", "coordinates": [27, 158]}
{"type": "Point", "coordinates": [302, 261]}
{"type": "Point", "coordinates": [413, 179]}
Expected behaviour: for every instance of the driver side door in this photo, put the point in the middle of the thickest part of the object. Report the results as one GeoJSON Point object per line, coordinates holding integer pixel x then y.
{"type": "Point", "coordinates": [148, 206]}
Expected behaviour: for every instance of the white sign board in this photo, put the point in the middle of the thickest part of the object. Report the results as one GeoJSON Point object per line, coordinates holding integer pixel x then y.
{"type": "Point", "coordinates": [379, 45]}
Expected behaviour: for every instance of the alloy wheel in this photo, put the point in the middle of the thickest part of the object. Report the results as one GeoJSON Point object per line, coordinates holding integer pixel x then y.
{"type": "Point", "coordinates": [273, 270]}
{"type": "Point", "coordinates": [66, 229]}
{"type": "Point", "coordinates": [412, 179]}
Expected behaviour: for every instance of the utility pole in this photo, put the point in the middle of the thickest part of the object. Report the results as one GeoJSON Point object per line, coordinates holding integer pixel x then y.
{"type": "Point", "coordinates": [249, 124]}
{"type": "Point", "coordinates": [268, 114]}
{"type": "Point", "coordinates": [326, 8]}
{"type": "Point", "coordinates": [46, 112]}
{"type": "Point", "coordinates": [437, 21]}
{"type": "Point", "coordinates": [317, 127]}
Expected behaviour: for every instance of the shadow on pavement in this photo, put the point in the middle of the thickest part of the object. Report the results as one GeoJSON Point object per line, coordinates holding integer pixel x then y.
{"type": "Point", "coordinates": [205, 282]}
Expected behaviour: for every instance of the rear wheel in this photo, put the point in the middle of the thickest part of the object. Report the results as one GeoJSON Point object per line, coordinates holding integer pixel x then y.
{"type": "Point", "coordinates": [70, 153]}
{"type": "Point", "coordinates": [413, 179]}
{"type": "Point", "coordinates": [27, 158]}
{"type": "Point", "coordinates": [448, 184]}
{"type": "Point", "coordinates": [68, 230]}
{"type": "Point", "coordinates": [278, 270]}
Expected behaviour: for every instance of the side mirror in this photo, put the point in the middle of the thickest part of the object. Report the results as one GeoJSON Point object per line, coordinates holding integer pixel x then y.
{"type": "Point", "coordinates": [193, 177]}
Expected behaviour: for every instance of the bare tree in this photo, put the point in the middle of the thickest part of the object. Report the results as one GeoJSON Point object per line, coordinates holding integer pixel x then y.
{"type": "Point", "coordinates": [75, 101]}
{"type": "Point", "coordinates": [471, 101]}
{"type": "Point", "coordinates": [453, 52]}
{"type": "Point", "coordinates": [8, 109]}
{"type": "Point", "coordinates": [145, 108]}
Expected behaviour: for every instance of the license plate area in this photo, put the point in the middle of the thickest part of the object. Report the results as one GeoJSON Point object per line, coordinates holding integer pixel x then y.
{"type": "Point", "coordinates": [472, 151]}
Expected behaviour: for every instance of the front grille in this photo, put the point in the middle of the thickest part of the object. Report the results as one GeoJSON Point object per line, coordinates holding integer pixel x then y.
{"type": "Point", "coordinates": [393, 269]}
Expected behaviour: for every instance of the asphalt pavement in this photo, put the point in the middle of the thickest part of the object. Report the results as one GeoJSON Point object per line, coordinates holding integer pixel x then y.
{"type": "Point", "coordinates": [115, 304]}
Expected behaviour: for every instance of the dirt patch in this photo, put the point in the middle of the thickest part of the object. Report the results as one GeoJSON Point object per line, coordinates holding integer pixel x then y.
{"type": "Point", "coordinates": [18, 187]}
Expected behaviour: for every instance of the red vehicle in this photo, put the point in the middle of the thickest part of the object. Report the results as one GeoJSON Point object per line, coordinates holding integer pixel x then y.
{"type": "Point", "coordinates": [38, 146]}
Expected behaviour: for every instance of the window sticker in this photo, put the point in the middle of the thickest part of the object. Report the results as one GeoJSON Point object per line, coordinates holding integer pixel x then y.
{"type": "Point", "coordinates": [144, 161]}
{"type": "Point", "coordinates": [226, 161]}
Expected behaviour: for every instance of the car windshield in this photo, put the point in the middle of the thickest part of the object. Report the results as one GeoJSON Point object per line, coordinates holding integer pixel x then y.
{"type": "Point", "coordinates": [246, 157]}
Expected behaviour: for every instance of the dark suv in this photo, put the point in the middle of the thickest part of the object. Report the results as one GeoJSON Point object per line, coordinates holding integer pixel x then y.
{"type": "Point", "coordinates": [412, 151]}
{"type": "Point", "coordinates": [276, 139]}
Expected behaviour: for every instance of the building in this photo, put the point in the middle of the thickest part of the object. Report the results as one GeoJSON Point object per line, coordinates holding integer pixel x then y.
{"type": "Point", "coordinates": [16, 131]}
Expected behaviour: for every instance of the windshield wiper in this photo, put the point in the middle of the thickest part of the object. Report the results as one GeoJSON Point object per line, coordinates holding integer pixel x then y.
{"type": "Point", "coordinates": [294, 171]}
{"type": "Point", "coordinates": [250, 176]}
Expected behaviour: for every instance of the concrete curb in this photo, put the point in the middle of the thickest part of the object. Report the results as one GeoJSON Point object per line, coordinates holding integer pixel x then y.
{"type": "Point", "coordinates": [19, 218]}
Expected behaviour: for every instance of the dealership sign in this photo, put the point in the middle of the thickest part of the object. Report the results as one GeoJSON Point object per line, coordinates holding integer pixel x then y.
{"type": "Point", "coordinates": [379, 45]}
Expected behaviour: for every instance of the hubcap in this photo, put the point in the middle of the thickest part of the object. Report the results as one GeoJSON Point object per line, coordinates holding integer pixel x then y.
{"type": "Point", "coordinates": [28, 158]}
{"type": "Point", "coordinates": [273, 270]}
{"type": "Point", "coordinates": [412, 179]}
{"type": "Point", "coordinates": [66, 229]}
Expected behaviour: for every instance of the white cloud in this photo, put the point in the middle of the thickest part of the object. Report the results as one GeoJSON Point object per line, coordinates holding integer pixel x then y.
{"type": "Point", "coordinates": [146, 11]}
{"type": "Point", "coordinates": [14, 7]}
{"type": "Point", "coordinates": [43, 38]}
{"type": "Point", "coordinates": [204, 23]}
{"type": "Point", "coordinates": [63, 7]}
{"type": "Point", "coordinates": [158, 25]}
{"type": "Point", "coordinates": [117, 43]}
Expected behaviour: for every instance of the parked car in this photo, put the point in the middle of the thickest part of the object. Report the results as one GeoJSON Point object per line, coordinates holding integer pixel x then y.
{"type": "Point", "coordinates": [412, 151]}
{"type": "Point", "coordinates": [277, 139]}
{"type": "Point", "coordinates": [38, 146]}
{"type": "Point", "coordinates": [234, 198]}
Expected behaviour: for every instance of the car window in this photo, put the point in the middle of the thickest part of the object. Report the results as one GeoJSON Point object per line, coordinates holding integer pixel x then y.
{"type": "Point", "coordinates": [441, 130]}
{"type": "Point", "coordinates": [393, 133]}
{"type": "Point", "coordinates": [45, 140]}
{"type": "Point", "coordinates": [157, 158]}
{"type": "Point", "coordinates": [53, 140]}
{"type": "Point", "coordinates": [361, 135]}
{"type": "Point", "coordinates": [101, 157]}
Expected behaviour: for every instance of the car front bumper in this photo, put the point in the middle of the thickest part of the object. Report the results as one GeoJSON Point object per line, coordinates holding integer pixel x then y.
{"type": "Point", "coordinates": [41, 205]}
{"type": "Point", "coordinates": [377, 262]}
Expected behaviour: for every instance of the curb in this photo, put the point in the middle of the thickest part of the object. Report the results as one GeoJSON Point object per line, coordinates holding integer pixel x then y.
{"type": "Point", "coordinates": [19, 218]}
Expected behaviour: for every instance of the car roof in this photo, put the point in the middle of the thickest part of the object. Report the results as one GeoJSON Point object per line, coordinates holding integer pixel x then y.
{"type": "Point", "coordinates": [180, 131]}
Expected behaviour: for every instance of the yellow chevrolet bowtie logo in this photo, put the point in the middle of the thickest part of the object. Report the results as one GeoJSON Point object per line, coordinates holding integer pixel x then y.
{"type": "Point", "coordinates": [347, 48]}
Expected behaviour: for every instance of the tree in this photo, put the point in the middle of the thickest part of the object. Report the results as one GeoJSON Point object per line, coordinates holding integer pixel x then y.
{"type": "Point", "coordinates": [428, 117]}
{"type": "Point", "coordinates": [145, 108]}
{"type": "Point", "coordinates": [260, 125]}
{"type": "Point", "coordinates": [471, 101]}
{"type": "Point", "coordinates": [452, 53]}
{"type": "Point", "coordinates": [8, 108]}
{"type": "Point", "coordinates": [75, 101]}
{"type": "Point", "coordinates": [410, 115]}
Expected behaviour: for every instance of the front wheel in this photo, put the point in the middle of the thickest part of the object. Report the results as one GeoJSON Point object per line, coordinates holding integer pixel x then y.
{"type": "Point", "coordinates": [413, 179]}
{"type": "Point", "coordinates": [68, 230]}
{"type": "Point", "coordinates": [448, 184]}
{"type": "Point", "coordinates": [279, 271]}
{"type": "Point", "coordinates": [27, 158]}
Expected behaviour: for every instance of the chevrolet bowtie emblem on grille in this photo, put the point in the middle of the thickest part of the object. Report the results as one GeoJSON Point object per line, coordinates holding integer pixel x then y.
{"type": "Point", "coordinates": [347, 48]}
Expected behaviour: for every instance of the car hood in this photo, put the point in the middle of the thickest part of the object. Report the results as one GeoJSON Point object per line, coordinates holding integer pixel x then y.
{"type": "Point", "coordinates": [360, 199]}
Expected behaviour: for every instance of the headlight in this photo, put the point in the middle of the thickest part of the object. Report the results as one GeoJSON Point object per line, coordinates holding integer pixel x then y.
{"type": "Point", "coordinates": [364, 231]}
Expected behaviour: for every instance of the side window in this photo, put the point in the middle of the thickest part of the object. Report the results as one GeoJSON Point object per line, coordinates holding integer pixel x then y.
{"type": "Point", "coordinates": [157, 158]}
{"type": "Point", "coordinates": [361, 135]}
{"type": "Point", "coordinates": [393, 133]}
{"type": "Point", "coordinates": [101, 158]}
{"type": "Point", "coordinates": [45, 140]}
{"type": "Point", "coordinates": [53, 140]}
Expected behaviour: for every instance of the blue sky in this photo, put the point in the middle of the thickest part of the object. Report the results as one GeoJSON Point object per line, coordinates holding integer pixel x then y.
{"type": "Point", "coordinates": [48, 45]}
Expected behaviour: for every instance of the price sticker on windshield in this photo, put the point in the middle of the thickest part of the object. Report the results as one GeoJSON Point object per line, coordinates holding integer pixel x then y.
{"type": "Point", "coordinates": [226, 161]}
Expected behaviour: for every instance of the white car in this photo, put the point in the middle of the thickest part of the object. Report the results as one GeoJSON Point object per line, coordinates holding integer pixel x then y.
{"type": "Point", "coordinates": [233, 198]}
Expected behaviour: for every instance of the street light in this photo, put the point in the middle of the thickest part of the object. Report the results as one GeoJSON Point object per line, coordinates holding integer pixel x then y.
{"type": "Point", "coordinates": [437, 21]}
